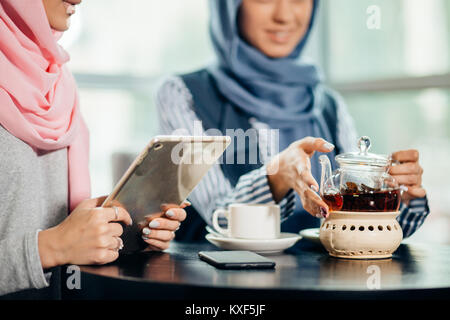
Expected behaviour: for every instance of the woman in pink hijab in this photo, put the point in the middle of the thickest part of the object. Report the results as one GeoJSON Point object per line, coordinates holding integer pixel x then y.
{"type": "Point", "coordinates": [44, 159]}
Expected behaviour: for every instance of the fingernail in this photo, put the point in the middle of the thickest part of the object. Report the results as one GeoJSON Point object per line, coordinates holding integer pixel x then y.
{"type": "Point", "coordinates": [145, 238]}
{"type": "Point", "coordinates": [187, 202]}
{"type": "Point", "coordinates": [169, 213]}
{"type": "Point", "coordinates": [153, 224]}
{"type": "Point", "coordinates": [313, 187]}
{"type": "Point", "coordinates": [146, 231]}
{"type": "Point", "coordinates": [319, 216]}
{"type": "Point", "coordinates": [329, 146]}
{"type": "Point", "coordinates": [323, 211]}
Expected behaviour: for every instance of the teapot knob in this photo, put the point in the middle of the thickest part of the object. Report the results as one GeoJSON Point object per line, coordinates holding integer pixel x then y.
{"type": "Point", "coordinates": [364, 144]}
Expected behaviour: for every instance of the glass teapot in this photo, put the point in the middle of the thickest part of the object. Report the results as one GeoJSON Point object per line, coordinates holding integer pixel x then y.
{"type": "Point", "coordinates": [362, 182]}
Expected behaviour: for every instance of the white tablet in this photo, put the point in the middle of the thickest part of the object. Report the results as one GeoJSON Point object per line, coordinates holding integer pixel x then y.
{"type": "Point", "coordinates": [166, 171]}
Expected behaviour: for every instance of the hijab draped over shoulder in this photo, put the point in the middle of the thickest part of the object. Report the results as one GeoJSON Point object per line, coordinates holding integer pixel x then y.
{"type": "Point", "coordinates": [38, 94]}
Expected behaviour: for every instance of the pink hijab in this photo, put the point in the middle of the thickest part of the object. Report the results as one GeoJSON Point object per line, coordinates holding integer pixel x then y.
{"type": "Point", "coordinates": [38, 94]}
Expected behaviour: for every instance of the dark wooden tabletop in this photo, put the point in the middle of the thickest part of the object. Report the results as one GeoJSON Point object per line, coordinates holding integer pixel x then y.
{"type": "Point", "coordinates": [305, 270]}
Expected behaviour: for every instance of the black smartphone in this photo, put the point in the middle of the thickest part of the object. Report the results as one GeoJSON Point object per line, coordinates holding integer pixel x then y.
{"type": "Point", "coordinates": [236, 260]}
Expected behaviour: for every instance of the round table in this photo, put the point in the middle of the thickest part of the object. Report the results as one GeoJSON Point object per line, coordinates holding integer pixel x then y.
{"type": "Point", "coordinates": [303, 271]}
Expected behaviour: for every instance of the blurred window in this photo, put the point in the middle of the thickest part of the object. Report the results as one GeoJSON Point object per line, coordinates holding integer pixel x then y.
{"type": "Point", "coordinates": [412, 39]}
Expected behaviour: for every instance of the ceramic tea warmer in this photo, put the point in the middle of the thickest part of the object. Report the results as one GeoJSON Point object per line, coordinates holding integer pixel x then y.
{"type": "Point", "coordinates": [364, 201]}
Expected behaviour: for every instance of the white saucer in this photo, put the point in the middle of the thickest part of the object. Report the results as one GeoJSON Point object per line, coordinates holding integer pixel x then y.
{"type": "Point", "coordinates": [311, 235]}
{"type": "Point", "coordinates": [285, 241]}
{"type": "Point", "coordinates": [212, 231]}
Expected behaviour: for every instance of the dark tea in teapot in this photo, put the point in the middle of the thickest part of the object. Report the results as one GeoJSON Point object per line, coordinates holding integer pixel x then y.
{"type": "Point", "coordinates": [365, 198]}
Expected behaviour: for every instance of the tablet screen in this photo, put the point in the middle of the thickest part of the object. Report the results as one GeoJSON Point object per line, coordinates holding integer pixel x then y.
{"type": "Point", "coordinates": [165, 172]}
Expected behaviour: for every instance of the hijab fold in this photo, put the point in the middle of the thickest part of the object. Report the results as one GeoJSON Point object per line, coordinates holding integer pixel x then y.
{"type": "Point", "coordinates": [38, 95]}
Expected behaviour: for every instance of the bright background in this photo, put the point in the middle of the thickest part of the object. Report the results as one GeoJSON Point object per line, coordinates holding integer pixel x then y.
{"type": "Point", "coordinates": [395, 80]}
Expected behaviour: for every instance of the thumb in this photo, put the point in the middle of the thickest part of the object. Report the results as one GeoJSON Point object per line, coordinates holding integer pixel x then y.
{"type": "Point", "coordinates": [311, 144]}
{"type": "Point", "coordinates": [91, 203]}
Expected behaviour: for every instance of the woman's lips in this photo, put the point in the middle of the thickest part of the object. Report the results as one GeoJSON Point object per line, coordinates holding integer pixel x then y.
{"type": "Point", "coordinates": [74, 2]}
{"type": "Point", "coordinates": [281, 37]}
{"type": "Point", "coordinates": [70, 6]}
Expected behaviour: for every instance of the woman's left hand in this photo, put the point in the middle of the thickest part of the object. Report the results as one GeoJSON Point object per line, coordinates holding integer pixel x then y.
{"type": "Point", "coordinates": [159, 228]}
{"type": "Point", "coordinates": [408, 172]}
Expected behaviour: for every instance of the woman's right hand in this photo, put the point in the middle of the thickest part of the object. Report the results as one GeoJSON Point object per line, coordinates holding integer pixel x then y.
{"type": "Point", "coordinates": [89, 235]}
{"type": "Point", "coordinates": [291, 169]}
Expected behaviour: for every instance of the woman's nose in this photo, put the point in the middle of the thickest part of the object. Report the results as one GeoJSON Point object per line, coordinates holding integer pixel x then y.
{"type": "Point", "coordinates": [283, 11]}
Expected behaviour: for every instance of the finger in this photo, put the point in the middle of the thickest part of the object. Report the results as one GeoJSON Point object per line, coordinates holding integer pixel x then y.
{"type": "Point", "coordinates": [317, 206]}
{"type": "Point", "coordinates": [408, 179]}
{"type": "Point", "coordinates": [306, 176]}
{"type": "Point", "coordinates": [167, 206]}
{"type": "Point", "coordinates": [185, 204]}
{"type": "Point", "coordinates": [115, 229]}
{"type": "Point", "coordinates": [406, 156]}
{"type": "Point", "coordinates": [104, 256]}
{"type": "Point", "coordinates": [149, 218]}
{"type": "Point", "coordinates": [406, 168]}
{"type": "Point", "coordinates": [157, 244]}
{"type": "Point", "coordinates": [310, 145]}
{"type": "Point", "coordinates": [111, 255]}
{"type": "Point", "coordinates": [312, 202]}
{"type": "Point", "coordinates": [91, 203]}
{"type": "Point", "coordinates": [122, 215]}
{"type": "Point", "coordinates": [114, 243]}
{"type": "Point", "coordinates": [176, 214]}
{"type": "Point", "coordinates": [416, 192]}
{"type": "Point", "coordinates": [162, 235]}
{"type": "Point", "coordinates": [164, 224]}
{"type": "Point", "coordinates": [100, 200]}
{"type": "Point", "coordinates": [107, 242]}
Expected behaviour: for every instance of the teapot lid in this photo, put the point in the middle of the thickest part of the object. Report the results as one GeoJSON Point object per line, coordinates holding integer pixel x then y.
{"type": "Point", "coordinates": [363, 157]}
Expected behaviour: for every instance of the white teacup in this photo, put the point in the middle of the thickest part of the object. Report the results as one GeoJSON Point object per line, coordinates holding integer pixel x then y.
{"type": "Point", "coordinates": [249, 221]}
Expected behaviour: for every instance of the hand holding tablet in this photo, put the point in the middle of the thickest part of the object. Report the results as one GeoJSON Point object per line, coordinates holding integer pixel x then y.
{"type": "Point", "coordinates": [165, 172]}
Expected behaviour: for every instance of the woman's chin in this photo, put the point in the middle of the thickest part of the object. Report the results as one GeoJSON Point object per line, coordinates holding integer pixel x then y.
{"type": "Point", "coordinates": [277, 53]}
{"type": "Point", "coordinates": [276, 50]}
{"type": "Point", "coordinates": [61, 25]}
